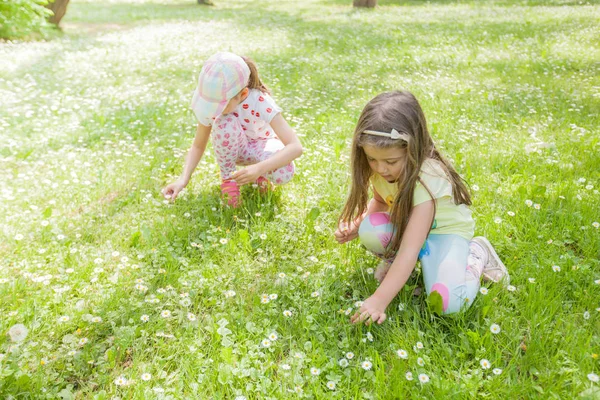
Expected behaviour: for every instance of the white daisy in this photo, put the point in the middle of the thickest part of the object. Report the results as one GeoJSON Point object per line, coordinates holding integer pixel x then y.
{"type": "Point", "coordinates": [593, 377]}
{"type": "Point", "coordinates": [497, 371]}
{"type": "Point", "coordinates": [366, 365]}
{"type": "Point", "coordinates": [315, 371]}
{"type": "Point", "coordinates": [483, 291]}
{"type": "Point", "coordinates": [423, 378]}
{"type": "Point", "coordinates": [485, 364]}
{"type": "Point", "coordinates": [146, 377]}
{"type": "Point", "coordinates": [331, 385]}
{"type": "Point", "coordinates": [495, 328]}
{"type": "Point", "coordinates": [402, 354]}
{"type": "Point", "coordinates": [409, 376]}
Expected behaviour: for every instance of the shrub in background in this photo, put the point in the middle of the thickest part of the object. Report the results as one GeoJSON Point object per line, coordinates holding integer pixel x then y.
{"type": "Point", "coordinates": [20, 18]}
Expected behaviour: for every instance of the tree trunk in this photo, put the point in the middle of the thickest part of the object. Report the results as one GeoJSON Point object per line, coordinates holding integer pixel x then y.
{"type": "Point", "coordinates": [364, 3]}
{"type": "Point", "coordinates": [59, 8]}
{"type": "Point", "coordinates": [206, 2]}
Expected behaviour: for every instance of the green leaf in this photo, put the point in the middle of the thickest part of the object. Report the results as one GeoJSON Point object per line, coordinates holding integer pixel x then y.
{"type": "Point", "coordinates": [314, 213]}
{"type": "Point", "coordinates": [47, 213]}
{"type": "Point", "coordinates": [539, 190]}
{"type": "Point", "coordinates": [135, 238]}
{"type": "Point", "coordinates": [435, 303]}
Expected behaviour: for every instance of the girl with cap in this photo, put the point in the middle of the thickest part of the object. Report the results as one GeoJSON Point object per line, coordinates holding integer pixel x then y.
{"type": "Point", "coordinates": [235, 108]}
{"type": "Point", "coordinates": [419, 210]}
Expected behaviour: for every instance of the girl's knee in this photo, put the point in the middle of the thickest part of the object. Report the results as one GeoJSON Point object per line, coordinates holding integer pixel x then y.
{"type": "Point", "coordinates": [375, 232]}
{"type": "Point", "coordinates": [284, 174]}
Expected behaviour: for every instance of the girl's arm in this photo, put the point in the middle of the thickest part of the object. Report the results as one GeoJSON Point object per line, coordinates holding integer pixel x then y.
{"type": "Point", "coordinates": [419, 224]}
{"type": "Point", "coordinates": [349, 231]}
{"type": "Point", "coordinates": [291, 151]}
{"type": "Point", "coordinates": [191, 161]}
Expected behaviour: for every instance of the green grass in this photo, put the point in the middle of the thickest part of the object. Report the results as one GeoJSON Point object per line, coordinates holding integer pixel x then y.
{"type": "Point", "coordinates": [95, 121]}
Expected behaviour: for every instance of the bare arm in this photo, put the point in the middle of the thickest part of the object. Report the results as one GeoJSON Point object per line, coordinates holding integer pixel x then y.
{"type": "Point", "coordinates": [291, 151]}
{"type": "Point", "coordinates": [191, 161]}
{"type": "Point", "coordinates": [373, 309]}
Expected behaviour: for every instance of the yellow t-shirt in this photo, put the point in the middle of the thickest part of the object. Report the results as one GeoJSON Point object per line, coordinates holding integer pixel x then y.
{"type": "Point", "coordinates": [449, 217]}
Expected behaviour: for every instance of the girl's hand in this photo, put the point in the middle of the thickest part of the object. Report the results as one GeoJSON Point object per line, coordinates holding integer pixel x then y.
{"type": "Point", "coordinates": [346, 232]}
{"type": "Point", "coordinates": [247, 175]}
{"type": "Point", "coordinates": [171, 191]}
{"type": "Point", "coordinates": [372, 310]}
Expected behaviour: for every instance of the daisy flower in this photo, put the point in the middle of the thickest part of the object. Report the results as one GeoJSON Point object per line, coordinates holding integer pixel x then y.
{"type": "Point", "coordinates": [366, 365]}
{"type": "Point", "coordinates": [145, 318]}
{"type": "Point", "coordinates": [497, 371]}
{"type": "Point", "coordinates": [409, 376]}
{"type": "Point", "coordinates": [315, 371]}
{"type": "Point", "coordinates": [349, 355]}
{"type": "Point", "coordinates": [483, 291]}
{"type": "Point", "coordinates": [64, 318]}
{"type": "Point", "coordinates": [266, 343]}
{"type": "Point", "coordinates": [511, 288]}
{"type": "Point", "coordinates": [495, 328]}
{"type": "Point", "coordinates": [555, 268]}
{"type": "Point", "coordinates": [423, 378]}
{"type": "Point", "coordinates": [485, 364]}
{"type": "Point", "coordinates": [593, 377]}
{"type": "Point", "coordinates": [420, 361]}
{"type": "Point", "coordinates": [287, 313]}
{"type": "Point", "coordinates": [402, 354]}
{"type": "Point", "coordinates": [331, 385]}
{"type": "Point", "coordinates": [286, 367]}
{"type": "Point", "coordinates": [191, 317]}
{"type": "Point", "coordinates": [273, 336]}
{"type": "Point", "coordinates": [165, 314]}
{"type": "Point", "coordinates": [146, 377]}
{"type": "Point", "coordinates": [343, 362]}
{"type": "Point", "coordinates": [120, 381]}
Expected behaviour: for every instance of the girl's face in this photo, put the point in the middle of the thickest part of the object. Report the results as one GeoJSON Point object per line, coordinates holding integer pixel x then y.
{"type": "Point", "coordinates": [387, 162]}
{"type": "Point", "coordinates": [235, 101]}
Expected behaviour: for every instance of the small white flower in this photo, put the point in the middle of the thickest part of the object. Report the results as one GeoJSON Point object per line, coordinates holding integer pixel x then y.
{"type": "Point", "coordinates": [83, 341]}
{"type": "Point", "coordinates": [315, 371]}
{"type": "Point", "coordinates": [366, 365]}
{"type": "Point", "coordinates": [223, 240]}
{"type": "Point", "coordinates": [497, 371]}
{"type": "Point", "coordinates": [191, 317]}
{"type": "Point", "coordinates": [165, 314]}
{"type": "Point", "coordinates": [531, 280]}
{"type": "Point", "coordinates": [475, 188]}
{"type": "Point", "coordinates": [266, 343]}
{"type": "Point", "coordinates": [120, 381]}
{"type": "Point", "coordinates": [511, 288]}
{"type": "Point", "coordinates": [370, 271]}
{"type": "Point", "coordinates": [596, 225]}
{"type": "Point", "coordinates": [349, 355]}
{"type": "Point", "coordinates": [64, 318]}
{"type": "Point", "coordinates": [273, 296]}
{"type": "Point", "coordinates": [314, 294]}
{"type": "Point", "coordinates": [263, 236]}
{"type": "Point", "coordinates": [241, 398]}
{"type": "Point", "coordinates": [485, 364]}
{"type": "Point", "coordinates": [402, 354]}
{"type": "Point", "coordinates": [528, 203]}
{"type": "Point", "coordinates": [401, 307]}
{"type": "Point", "coordinates": [419, 345]}
{"type": "Point", "coordinates": [343, 362]}
{"type": "Point", "coordinates": [115, 254]}
{"type": "Point", "coordinates": [420, 361]}
{"type": "Point", "coordinates": [409, 376]}
{"type": "Point", "coordinates": [510, 213]}
{"type": "Point", "coordinates": [537, 206]}
{"type": "Point", "coordinates": [287, 313]}
{"type": "Point", "coordinates": [423, 378]}
{"type": "Point", "coordinates": [497, 220]}
{"type": "Point", "coordinates": [483, 290]}
{"type": "Point", "coordinates": [229, 293]}
{"type": "Point", "coordinates": [18, 237]}
{"type": "Point", "coordinates": [18, 333]}
{"type": "Point", "coordinates": [146, 377]}
{"type": "Point", "coordinates": [331, 385]}
{"type": "Point", "coordinates": [273, 336]}
{"type": "Point", "coordinates": [369, 336]}
{"type": "Point", "coordinates": [286, 367]}
{"type": "Point", "coordinates": [593, 377]}
{"type": "Point", "coordinates": [586, 315]}
{"type": "Point", "coordinates": [145, 318]}
{"type": "Point", "coordinates": [358, 304]}
{"type": "Point", "coordinates": [495, 328]}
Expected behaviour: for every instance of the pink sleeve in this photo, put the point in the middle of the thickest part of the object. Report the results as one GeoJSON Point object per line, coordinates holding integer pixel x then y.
{"type": "Point", "coordinates": [266, 108]}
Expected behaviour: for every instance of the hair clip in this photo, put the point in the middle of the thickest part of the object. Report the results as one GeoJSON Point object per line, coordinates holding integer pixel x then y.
{"type": "Point", "coordinates": [394, 134]}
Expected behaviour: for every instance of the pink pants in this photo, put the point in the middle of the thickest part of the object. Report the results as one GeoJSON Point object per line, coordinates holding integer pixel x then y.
{"type": "Point", "coordinates": [232, 147]}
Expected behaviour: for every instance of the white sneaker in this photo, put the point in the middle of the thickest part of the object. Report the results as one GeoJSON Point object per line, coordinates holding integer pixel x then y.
{"type": "Point", "coordinates": [494, 270]}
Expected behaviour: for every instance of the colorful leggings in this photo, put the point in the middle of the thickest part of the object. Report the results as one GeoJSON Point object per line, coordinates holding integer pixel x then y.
{"type": "Point", "coordinates": [446, 262]}
{"type": "Point", "coordinates": [232, 147]}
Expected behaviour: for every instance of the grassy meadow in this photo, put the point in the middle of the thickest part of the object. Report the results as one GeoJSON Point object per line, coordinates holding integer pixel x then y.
{"type": "Point", "coordinates": [108, 291]}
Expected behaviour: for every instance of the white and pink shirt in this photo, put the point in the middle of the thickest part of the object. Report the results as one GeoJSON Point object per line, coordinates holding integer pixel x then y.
{"type": "Point", "coordinates": [255, 114]}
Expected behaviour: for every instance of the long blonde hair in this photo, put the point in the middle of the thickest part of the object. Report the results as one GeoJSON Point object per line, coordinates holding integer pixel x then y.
{"type": "Point", "coordinates": [254, 81]}
{"type": "Point", "coordinates": [400, 111]}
